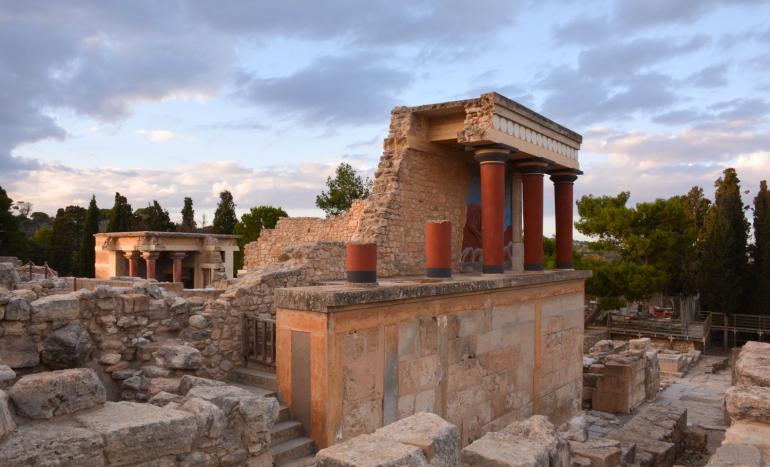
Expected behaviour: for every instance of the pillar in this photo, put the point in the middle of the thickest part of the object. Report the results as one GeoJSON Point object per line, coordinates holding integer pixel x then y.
{"type": "Point", "coordinates": [532, 181]}
{"type": "Point", "coordinates": [177, 256]}
{"type": "Point", "coordinates": [133, 263]}
{"type": "Point", "coordinates": [438, 249]}
{"type": "Point", "coordinates": [517, 251]}
{"type": "Point", "coordinates": [150, 258]}
{"type": "Point", "coordinates": [361, 262]}
{"type": "Point", "coordinates": [563, 184]}
{"type": "Point", "coordinates": [492, 161]}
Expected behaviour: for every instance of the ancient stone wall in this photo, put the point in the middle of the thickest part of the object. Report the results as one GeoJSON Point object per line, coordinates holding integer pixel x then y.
{"type": "Point", "coordinates": [63, 418]}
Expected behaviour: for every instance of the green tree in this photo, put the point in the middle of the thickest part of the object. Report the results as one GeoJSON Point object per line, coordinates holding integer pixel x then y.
{"type": "Point", "coordinates": [346, 187]}
{"type": "Point", "coordinates": [761, 251]}
{"type": "Point", "coordinates": [12, 239]}
{"type": "Point", "coordinates": [40, 245]}
{"type": "Point", "coordinates": [188, 216]}
{"type": "Point", "coordinates": [65, 240]}
{"type": "Point", "coordinates": [153, 218]}
{"type": "Point", "coordinates": [121, 217]}
{"type": "Point", "coordinates": [87, 243]}
{"type": "Point", "coordinates": [723, 262]}
{"type": "Point", "coordinates": [224, 217]}
{"type": "Point", "coordinates": [251, 225]}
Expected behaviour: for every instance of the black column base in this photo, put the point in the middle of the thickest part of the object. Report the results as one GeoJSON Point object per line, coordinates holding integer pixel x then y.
{"type": "Point", "coordinates": [438, 272]}
{"type": "Point", "coordinates": [533, 267]}
{"type": "Point", "coordinates": [492, 269]}
{"type": "Point", "coordinates": [567, 265]}
{"type": "Point", "coordinates": [362, 277]}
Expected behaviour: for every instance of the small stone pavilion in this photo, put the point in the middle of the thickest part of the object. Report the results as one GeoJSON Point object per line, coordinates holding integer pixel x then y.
{"type": "Point", "coordinates": [499, 340]}
{"type": "Point", "coordinates": [195, 259]}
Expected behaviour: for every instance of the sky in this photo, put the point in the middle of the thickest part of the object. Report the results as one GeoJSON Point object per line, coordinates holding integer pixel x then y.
{"type": "Point", "coordinates": [172, 98]}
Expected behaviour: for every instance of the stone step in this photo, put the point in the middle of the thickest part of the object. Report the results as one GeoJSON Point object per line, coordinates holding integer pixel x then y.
{"type": "Point", "coordinates": [286, 430]}
{"type": "Point", "coordinates": [306, 461]}
{"type": "Point", "coordinates": [283, 413]}
{"type": "Point", "coordinates": [254, 389]}
{"type": "Point", "coordinates": [258, 378]}
{"type": "Point", "coordinates": [292, 450]}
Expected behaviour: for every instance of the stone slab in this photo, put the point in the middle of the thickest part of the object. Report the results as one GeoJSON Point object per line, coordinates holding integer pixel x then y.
{"type": "Point", "coordinates": [18, 352]}
{"type": "Point", "coordinates": [730, 455]}
{"type": "Point", "coordinates": [438, 439]}
{"type": "Point", "coordinates": [136, 432]}
{"type": "Point", "coordinates": [748, 403]}
{"type": "Point", "coordinates": [370, 450]}
{"type": "Point", "coordinates": [55, 307]}
{"type": "Point", "coordinates": [53, 393]}
{"type": "Point", "coordinates": [52, 444]}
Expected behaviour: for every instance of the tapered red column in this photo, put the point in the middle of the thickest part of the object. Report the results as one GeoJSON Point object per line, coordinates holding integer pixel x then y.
{"type": "Point", "coordinates": [133, 263]}
{"type": "Point", "coordinates": [492, 162]}
{"type": "Point", "coordinates": [517, 244]}
{"type": "Point", "coordinates": [177, 266]}
{"type": "Point", "coordinates": [438, 249]}
{"type": "Point", "coordinates": [563, 184]}
{"type": "Point", "coordinates": [532, 178]}
{"type": "Point", "coordinates": [150, 258]}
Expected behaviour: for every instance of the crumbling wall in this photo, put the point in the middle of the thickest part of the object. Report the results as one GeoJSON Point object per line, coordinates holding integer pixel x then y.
{"type": "Point", "coordinates": [63, 418]}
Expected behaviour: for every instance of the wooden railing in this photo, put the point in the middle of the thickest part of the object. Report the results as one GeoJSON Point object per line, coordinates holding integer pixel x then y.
{"type": "Point", "coordinates": [259, 340]}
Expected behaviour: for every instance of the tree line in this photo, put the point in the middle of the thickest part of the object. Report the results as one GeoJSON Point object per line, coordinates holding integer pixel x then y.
{"type": "Point", "coordinates": [66, 240]}
{"type": "Point", "coordinates": [685, 244]}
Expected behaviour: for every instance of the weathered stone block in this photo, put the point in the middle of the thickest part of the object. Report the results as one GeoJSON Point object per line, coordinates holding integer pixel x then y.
{"type": "Point", "coordinates": [753, 433]}
{"type": "Point", "coordinates": [211, 419]}
{"type": "Point", "coordinates": [438, 439]}
{"type": "Point", "coordinates": [17, 309]}
{"type": "Point", "coordinates": [729, 455]}
{"type": "Point", "coordinates": [189, 381]}
{"type": "Point", "coordinates": [371, 450]}
{"type": "Point", "coordinates": [53, 393]}
{"type": "Point", "coordinates": [9, 278]}
{"type": "Point", "coordinates": [7, 376]}
{"type": "Point", "coordinates": [55, 307]}
{"type": "Point", "coordinates": [225, 397]}
{"type": "Point", "coordinates": [67, 347]}
{"type": "Point", "coordinates": [752, 364]}
{"type": "Point", "coordinates": [52, 444]}
{"type": "Point", "coordinates": [136, 432]}
{"type": "Point", "coordinates": [531, 443]}
{"type": "Point", "coordinates": [602, 452]}
{"type": "Point", "coordinates": [178, 357]}
{"type": "Point", "coordinates": [748, 403]}
{"type": "Point", "coordinates": [7, 425]}
{"type": "Point", "coordinates": [18, 352]}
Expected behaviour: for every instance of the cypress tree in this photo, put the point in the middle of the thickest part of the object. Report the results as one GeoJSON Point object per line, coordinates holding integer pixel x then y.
{"type": "Point", "coordinates": [65, 240]}
{"type": "Point", "coordinates": [224, 217]}
{"type": "Point", "coordinates": [122, 215]}
{"type": "Point", "coordinates": [722, 268]}
{"type": "Point", "coordinates": [761, 252]}
{"type": "Point", "coordinates": [90, 227]}
{"type": "Point", "coordinates": [188, 216]}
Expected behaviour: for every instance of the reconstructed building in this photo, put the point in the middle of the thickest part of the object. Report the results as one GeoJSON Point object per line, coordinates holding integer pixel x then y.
{"type": "Point", "coordinates": [498, 341]}
{"type": "Point", "coordinates": [195, 259]}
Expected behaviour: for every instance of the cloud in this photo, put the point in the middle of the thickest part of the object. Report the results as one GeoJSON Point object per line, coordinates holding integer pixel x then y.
{"type": "Point", "coordinates": [713, 76]}
{"type": "Point", "coordinates": [157, 136]}
{"type": "Point", "coordinates": [350, 89]}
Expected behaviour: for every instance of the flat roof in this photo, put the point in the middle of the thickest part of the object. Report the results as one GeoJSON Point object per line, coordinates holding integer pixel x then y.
{"type": "Point", "coordinates": [149, 233]}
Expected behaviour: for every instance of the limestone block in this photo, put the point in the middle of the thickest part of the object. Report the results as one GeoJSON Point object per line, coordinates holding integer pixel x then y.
{"type": "Point", "coordinates": [748, 403]}
{"type": "Point", "coordinates": [9, 278]}
{"type": "Point", "coordinates": [575, 429]}
{"type": "Point", "coordinates": [643, 343]}
{"type": "Point", "coordinates": [531, 443]}
{"type": "Point", "coordinates": [255, 418]}
{"type": "Point", "coordinates": [755, 434]}
{"type": "Point", "coordinates": [18, 352]}
{"type": "Point", "coordinates": [225, 397]}
{"type": "Point", "coordinates": [752, 363]}
{"type": "Point", "coordinates": [602, 452]}
{"type": "Point", "coordinates": [53, 393]}
{"type": "Point", "coordinates": [729, 455]}
{"type": "Point", "coordinates": [162, 398]}
{"type": "Point", "coordinates": [18, 309]}
{"type": "Point", "coordinates": [211, 419]}
{"type": "Point", "coordinates": [135, 432]}
{"type": "Point", "coordinates": [178, 357]}
{"type": "Point", "coordinates": [7, 376]}
{"type": "Point", "coordinates": [52, 444]}
{"type": "Point", "coordinates": [55, 307]}
{"type": "Point", "coordinates": [163, 385]}
{"type": "Point", "coordinates": [189, 381]}
{"type": "Point", "coordinates": [7, 425]}
{"type": "Point", "coordinates": [67, 347]}
{"type": "Point", "coordinates": [372, 451]}
{"type": "Point", "coordinates": [438, 439]}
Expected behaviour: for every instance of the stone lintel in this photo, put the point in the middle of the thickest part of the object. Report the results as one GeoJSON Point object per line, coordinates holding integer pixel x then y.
{"type": "Point", "coordinates": [333, 297]}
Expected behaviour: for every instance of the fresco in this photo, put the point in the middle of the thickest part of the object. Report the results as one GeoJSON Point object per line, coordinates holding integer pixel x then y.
{"type": "Point", "coordinates": [471, 247]}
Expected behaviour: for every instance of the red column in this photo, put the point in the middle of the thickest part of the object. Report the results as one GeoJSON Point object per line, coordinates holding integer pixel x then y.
{"type": "Point", "coordinates": [438, 249]}
{"type": "Point", "coordinates": [150, 259]}
{"type": "Point", "coordinates": [361, 262]}
{"type": "Point", "coordinates": [492, 162]}
{"type": "Point", "coordinates": [133, 263]}
{"type": "Point", "coordinates": [563, 183]}
{"type": "Point", "coordinates": [532, 177]}
{"type": "Point", "coordinates": [177, 267]}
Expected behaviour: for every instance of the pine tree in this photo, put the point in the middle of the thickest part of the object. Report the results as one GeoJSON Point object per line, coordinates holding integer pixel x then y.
{"type": "Point", "coordinates": [761, 251]}
{"type": "Point", "coordinates": [722, 266]}
{"type": "Point", "coordinates": [224, 217]}
{"type": "Point", "coordinates": [188, 216]}
{"type": "Point", "coordinates": [344, 188]}
{"type": "Point", "coordinates": [153, 218]}
{"type": "Point", "coordinates": [87, 243]}
{"type": "Point", "coordinates": [121, 218]}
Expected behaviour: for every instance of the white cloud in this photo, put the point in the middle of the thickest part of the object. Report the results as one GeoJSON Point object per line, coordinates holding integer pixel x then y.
{"type": "Point", "coordinates": [157, 136]}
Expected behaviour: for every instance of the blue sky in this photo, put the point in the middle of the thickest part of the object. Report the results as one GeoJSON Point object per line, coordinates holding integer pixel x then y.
{"type": "Point", "coordinates": [165, 99]}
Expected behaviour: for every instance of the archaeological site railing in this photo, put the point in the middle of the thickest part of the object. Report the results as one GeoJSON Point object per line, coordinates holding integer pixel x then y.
{"type": "Point", "coordinates": [259, 341]}
{"type": "Point", "coordinates": [696, 329]}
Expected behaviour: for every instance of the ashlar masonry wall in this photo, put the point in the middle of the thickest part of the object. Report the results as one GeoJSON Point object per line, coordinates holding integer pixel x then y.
{"type": "Point", "coordinates": [480, 353]}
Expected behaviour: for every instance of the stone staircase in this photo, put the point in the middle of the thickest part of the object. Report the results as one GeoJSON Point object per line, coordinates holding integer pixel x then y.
{"type": "Point", "coordinates": [290, 446]}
